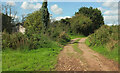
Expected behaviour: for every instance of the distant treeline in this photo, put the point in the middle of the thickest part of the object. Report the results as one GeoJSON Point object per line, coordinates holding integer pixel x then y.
{"type": "Point", "coordinates": [42, 33]}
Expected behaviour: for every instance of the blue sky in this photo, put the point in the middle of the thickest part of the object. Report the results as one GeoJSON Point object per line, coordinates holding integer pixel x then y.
{"type": "Point", "coordinates": [63, 10]}
{"type": "Point", "coordinates": [69, 8]}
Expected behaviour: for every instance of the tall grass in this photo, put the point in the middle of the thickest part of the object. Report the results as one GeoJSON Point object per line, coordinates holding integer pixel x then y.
{"type": "Point", "coordinates": [43, 59]}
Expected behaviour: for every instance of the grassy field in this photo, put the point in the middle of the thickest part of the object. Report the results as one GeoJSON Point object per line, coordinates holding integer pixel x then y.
{"type": "Point", "coordinates": [104, 51]}
{"type": "Point", "coordinates": [43, 59]}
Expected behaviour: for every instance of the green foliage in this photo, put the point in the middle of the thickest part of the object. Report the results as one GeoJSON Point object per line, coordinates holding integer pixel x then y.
{"type": "Point", "coordinates": [45, 14]}
{"type": "Point", "coordinates": [58, 31]}
{"type": "Point", "coordinates": [33, 23]}
{"type": "Point", "coordinates": [85, 22]}
{"type": "Point", "coordinates": [6, 23]}
{"type": "Point", "coordinates": [63, 38]}
{"type": "Point", "coordinates": [35, 29]}
{"type": "Point", "coordinates": [19, 41]}
{"type": "Point", "coordinates": [54, 31]}
{"type": "Point", "coordinates": [73, 36]}
{"type": "Point", "coordinates": [94, 14]}
{"type": "Point", "coordinates": [104, 35]}
{"type": "Point", "coordinates": [80, 24]}
{"type": "Point", "coordinates": [14, 41]}
{"type": "Point", "coordinates": [105, 41]}
{"type": "Point", "coordinates": [43, 59]}
{"type": "Point", "coordinates": [65, 25]}
{"type": "Point", "coordinates": [111, 54]}
{"type": "Point", "coordinates": [41, 41]}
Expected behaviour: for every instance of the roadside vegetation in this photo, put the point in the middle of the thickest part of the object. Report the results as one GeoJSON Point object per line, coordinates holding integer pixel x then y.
{"type": "Point", "coordinates": [38, 47]}
{"type": "Point", "coordinates": [105, 41]}
{"type": "Point", "coordinates": [43, 59]}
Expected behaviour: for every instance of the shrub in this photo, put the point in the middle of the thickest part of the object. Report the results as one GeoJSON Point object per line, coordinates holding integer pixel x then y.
{"type": "Point", "coordinates": [20, 41]}
{"type": "Point", "coordinates": [40, 41]}
{"type": "Point", "coordinates": [105, 41]}
{"type": "Point", "coordinates": [14, 41]}
{"type": "Point", "coordinates": [105, 35]}
{"type": "Point", "coordinates": [63, 38]}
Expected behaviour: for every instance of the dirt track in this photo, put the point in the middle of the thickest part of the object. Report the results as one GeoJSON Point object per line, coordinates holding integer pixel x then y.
{"type": "Point", "coordinates": [88, 60]}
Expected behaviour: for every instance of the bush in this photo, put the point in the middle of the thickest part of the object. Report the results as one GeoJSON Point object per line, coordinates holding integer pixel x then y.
{"type": "Point", "coordinates": [14, 41]}
{"type": "Point", "coordinates": [105, 41]}
{"type": "Point", "coordinates": [105, 35]}
{"type": "Point", "coordinates": [20, 41]}
{"type": "Point", "coordinates": [63, 38]}
{"type": "Point", "coordinates": [41, 41]}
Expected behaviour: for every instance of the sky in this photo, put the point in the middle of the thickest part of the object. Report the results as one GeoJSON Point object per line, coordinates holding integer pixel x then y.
{"type": "Point", "coordinates": [62, 10]}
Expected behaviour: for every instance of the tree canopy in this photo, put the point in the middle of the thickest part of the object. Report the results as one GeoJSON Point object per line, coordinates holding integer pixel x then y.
{"type": "Point", "coordinates": [81, 24]}
{"type": "Point", "coordinates": [95, 15]}
{"type": "Point", "coordinates": [6, 23]}
{"type": "Point", "coordinates": [45, 14]}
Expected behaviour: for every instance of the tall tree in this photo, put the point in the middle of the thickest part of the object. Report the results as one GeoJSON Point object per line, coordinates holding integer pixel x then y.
{"type": "Point", "coordinates": [6, 23]}
{"type": "Point", "coordinates": [95, 15]}
{"type": "Point", "coordinates": [45, 14]}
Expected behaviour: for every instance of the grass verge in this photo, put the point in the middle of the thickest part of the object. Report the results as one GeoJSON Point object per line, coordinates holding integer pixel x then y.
{"type": "Point", "coordinates": [111, 54]}
{"type": "Point", "coordinates": [75, 46]}
{"type": "Point", "coordinates": [43, 59]}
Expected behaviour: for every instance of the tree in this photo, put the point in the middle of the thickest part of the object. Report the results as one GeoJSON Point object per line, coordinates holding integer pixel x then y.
{"type": "Point", "coordinates": [8, 18]}
{"type": "Point", "coordinates": [6, 23]}
{"type": "Point", "coordinates": [80, 24]}
{"type": "Point", "coordinates": [45, 14]}
{"type": "Point", "coordinates": [95, 15]}
{"type": "Point", "coordinates": [33, 22]}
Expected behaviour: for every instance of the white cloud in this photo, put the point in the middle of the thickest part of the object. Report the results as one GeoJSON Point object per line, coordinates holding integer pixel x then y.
{"type": "Point", "coordinates": [112, 8]}
{"type": "Point", "coordinates": [59, 18]}
{"type": "Point", "coordinates": [102, 9]}
{"type": "Point", "coordinates": [11, 3]}
{"type": "Point", "coordinates": [55, 9]}
{"type": "Point", "coordinates": [111, 12]}
{"type": "Point", "coordinates": [27, 5]}
{"type": "Point", "coordinates": [111, 5]}
{"type": "Point", "coordinates": [111, 19]}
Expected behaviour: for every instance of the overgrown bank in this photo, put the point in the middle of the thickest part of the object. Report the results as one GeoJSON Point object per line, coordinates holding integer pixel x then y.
{"type": "Point", "coordinates": [105, 41]}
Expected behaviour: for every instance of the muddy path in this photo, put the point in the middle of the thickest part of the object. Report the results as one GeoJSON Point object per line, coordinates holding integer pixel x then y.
{"type": "Point", "coordinates": [71, 60]}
